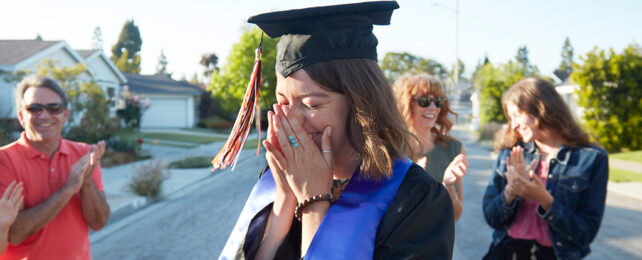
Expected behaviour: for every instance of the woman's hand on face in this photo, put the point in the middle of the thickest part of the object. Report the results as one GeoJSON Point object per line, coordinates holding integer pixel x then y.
{"type": "Point", "coordinates": [456, 170]}
{"type": "Point", "coordinates": [273, 150]}
{"type": "Point", "coordinates": [307, 170]}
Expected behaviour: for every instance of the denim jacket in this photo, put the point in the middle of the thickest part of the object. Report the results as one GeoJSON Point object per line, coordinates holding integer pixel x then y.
{"type": "Point", "coordinates": [577, 179]}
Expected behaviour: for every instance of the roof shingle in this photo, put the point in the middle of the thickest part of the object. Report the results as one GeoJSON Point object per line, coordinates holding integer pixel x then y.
{"type": "Point", "coordinates": [159, 84]}
{"type": "Point", "coordinates": [15, 51]}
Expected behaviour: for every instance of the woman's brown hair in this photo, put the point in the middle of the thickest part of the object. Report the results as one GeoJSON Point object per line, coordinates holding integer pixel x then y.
{"type": "Point", "coordinates": [538, 98]}
{"type": "Point", "coordinates": [408, 87]}
{"type": "Point", "coordinates": [375, 129]}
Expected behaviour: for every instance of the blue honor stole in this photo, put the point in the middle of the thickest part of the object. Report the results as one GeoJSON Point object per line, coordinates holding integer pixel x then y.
{"type": "Point", "coordinates": [348, 229]}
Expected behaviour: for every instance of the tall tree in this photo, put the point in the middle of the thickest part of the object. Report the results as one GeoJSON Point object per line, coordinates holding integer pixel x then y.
{"type": "Point", "coordinates": [97, 39]}
{"type": "Point", "coordinates": [128, 46]}
{"type": "Point", "coordinates": [210, 64]}
{"type": "Point", "coordinates": [460, 71]}
{"type": "Point", "coordinates": [566, 66]}
{"type": "Point", "coordinates": [39, 37]}
{"type": "Point", "coordinates": [161, 67]}
{"type": "Point", "coordinates": [522, 57]}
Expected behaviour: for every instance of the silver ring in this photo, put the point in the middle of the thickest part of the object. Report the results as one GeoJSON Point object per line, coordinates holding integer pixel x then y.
{"type": "Point", "coordinates": [328, 151]}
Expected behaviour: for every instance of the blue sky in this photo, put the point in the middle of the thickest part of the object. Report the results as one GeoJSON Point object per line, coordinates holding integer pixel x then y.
{"type": "Point", "coordinates": [188, 28]}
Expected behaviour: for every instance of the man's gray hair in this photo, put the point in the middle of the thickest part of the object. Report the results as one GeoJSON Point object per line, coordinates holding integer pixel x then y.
{"type": "Point", "coordinates": [37, 82]}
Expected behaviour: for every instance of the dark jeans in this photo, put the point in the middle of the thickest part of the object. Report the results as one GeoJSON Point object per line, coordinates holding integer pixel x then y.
{"type": "Point", "coordinates": [518, 249]}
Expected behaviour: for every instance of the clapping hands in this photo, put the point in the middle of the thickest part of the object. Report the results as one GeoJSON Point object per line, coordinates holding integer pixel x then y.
{"type": "Point", "coordinates": [522, 180]}
{"type": "Point", "coordinates": [456, 170]}
{"type": "Point", "coordinates": [10, 204]}
{"type": "Point", "coordinates": [82, 170]}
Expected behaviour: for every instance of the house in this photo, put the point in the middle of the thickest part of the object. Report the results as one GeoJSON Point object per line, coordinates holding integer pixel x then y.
{"type": "Point", "coordinates": [172, 103]}
{"type": "Point", "coordinates": [567, 90]}
{"type": "Point", "coordinates": [25, 56]}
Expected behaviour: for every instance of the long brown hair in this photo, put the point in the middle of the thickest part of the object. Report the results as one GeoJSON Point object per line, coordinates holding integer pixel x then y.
{"type": "Point", "coordinates": [408, 87]}
{"type": "Point", "coordinates": [538, 98]}
{"type": "Point", "coordinates": [375, 129]}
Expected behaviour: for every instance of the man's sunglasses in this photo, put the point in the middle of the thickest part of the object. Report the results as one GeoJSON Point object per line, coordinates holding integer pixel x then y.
{"type": "Point", "coordinates": [425, 101]}
{"type": "Point", "coordinates": [53, 108]}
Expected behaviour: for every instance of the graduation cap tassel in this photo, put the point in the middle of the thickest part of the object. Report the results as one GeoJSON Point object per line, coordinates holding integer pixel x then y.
{"type": "Point", "coordinates": [229, 153]}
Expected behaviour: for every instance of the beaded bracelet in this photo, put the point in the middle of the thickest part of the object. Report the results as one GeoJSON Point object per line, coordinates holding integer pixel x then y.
{"type": "Point", "coordinates": [299, 206]}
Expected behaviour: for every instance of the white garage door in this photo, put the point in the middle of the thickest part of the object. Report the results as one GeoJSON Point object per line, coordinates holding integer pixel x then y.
{"type": "Point", "coordinates": [166, 112]}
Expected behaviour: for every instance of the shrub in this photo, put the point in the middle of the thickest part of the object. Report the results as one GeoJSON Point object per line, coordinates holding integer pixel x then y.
{"type": "Point", "coordinates": [131, 109]}
{"type": "Point", "coordinates": [124, 142]}
{"type": "Point", "coordinates": [7, 126]}
{"type": "Point", "coordinates": [193, 162]}
{"type": "Point", "coordinates": [610, 91]}
{"type": "Point", "coordinates": [487, 131]}
{"type": "Point", "coordinates": [148, 179]}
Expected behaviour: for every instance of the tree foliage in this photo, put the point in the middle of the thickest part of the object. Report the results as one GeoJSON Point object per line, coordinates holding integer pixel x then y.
{"type": "Point", "coordinates": [97, 39]}
{"type": "Point", "coordinates": [229, 85]}
{"type": "Point", "coordinates": [88, 107]}
{"type": "Point", "coordinates": [128, 65]}
{"type": "Point", "coordinates": [460, 72]}
{"type": "Point", "coordinates": [161, 67]}
{"type": "Point", "coordinates": [125, 53]}
{"type": "Point", "coordinates": [493, 81]}
{"type": "Point", "coordinates": [566, 66]}
{"type": "Point", "coordinates": [210, 64]}
{"type": "Point", "coordinates": [610, 90]}
{"type": "Point", "coordinates": [567, 57]}
{"type": "Point", "coordinates": [522, 57]}
{"type": "Point", "coordinates": [394, 64]}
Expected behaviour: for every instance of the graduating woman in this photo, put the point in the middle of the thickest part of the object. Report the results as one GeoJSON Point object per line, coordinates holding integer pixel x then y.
{"type": "Point", "coordinates": [340, 184]}
{"type": "Point", "coordinates": [425, 108]}
{"type": "Point", "coordinates": [547, 192]}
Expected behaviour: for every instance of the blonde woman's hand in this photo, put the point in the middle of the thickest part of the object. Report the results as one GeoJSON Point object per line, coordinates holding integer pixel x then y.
{"type": "Point", "coordinates": [456, 170]}
{"type": "Point", "coordinates": [10, 204]}
{"type": "Point", "coordinates": [307, 169]}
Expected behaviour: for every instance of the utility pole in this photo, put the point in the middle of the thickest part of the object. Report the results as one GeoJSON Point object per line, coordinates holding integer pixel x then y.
{"type": "Point", "coordinates": [456, 70]}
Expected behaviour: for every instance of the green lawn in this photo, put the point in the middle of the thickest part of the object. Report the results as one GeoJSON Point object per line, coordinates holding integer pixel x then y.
{"type": "Point", "coordinates": [619, 175]}
{"type": "Point", "coordinates": [192, 162]}
{"type": "Point", "coordinates": [180, 137]}
{"type": "Point", "coordinates": [635, 156]}
{"type": "Point", "coordinates": [205, 162]}
{"type": "Point", "coordinates": [160, 142]}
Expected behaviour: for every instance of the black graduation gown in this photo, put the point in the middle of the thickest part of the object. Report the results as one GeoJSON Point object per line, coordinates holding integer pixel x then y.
{"type": "Point", "coordinates": [419, 224]}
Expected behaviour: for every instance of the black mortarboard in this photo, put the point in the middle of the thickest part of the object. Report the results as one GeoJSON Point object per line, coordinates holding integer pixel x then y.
{"type": "Point", "coordinates": [316, 34]}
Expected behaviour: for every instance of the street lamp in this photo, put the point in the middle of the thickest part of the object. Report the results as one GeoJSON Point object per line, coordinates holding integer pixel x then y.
{"type": "Point", "coordinates": [456, 11]}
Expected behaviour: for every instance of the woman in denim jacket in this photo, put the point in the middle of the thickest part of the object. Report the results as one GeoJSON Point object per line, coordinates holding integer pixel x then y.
{"type": "Point", "coordinates": [546, 195]}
